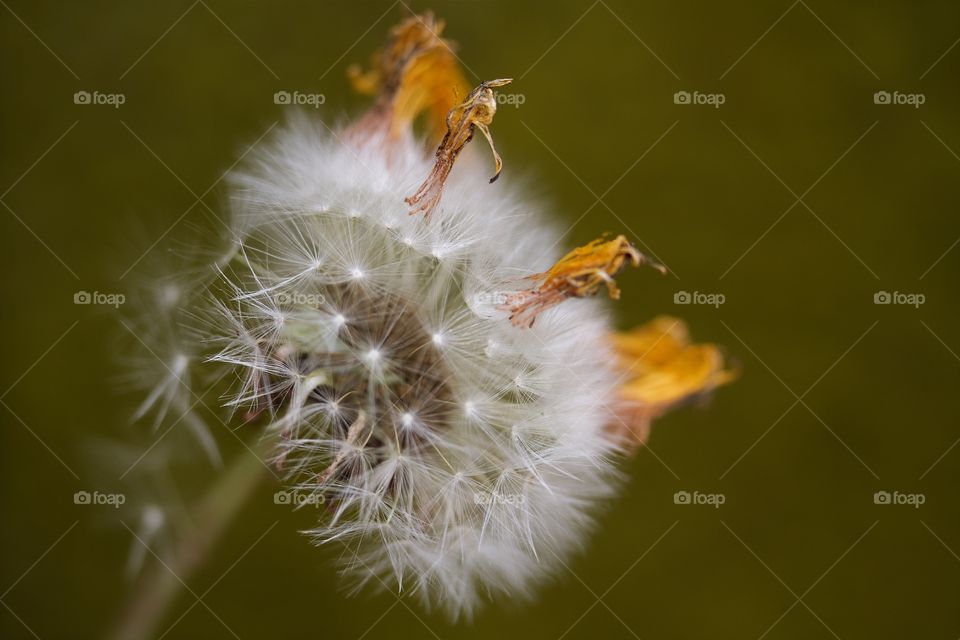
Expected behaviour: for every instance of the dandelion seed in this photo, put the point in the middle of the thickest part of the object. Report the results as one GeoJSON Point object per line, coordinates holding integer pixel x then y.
{"type": "Point", "coordinates": [169, 295]}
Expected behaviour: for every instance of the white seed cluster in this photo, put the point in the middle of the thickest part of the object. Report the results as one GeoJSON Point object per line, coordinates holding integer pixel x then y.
{"type": "Point", "coordinates": [457, 456]}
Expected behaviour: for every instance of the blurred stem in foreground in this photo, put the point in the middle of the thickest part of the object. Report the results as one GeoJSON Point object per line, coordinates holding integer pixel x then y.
{"type": "Point", "coordinates": [156, 591]}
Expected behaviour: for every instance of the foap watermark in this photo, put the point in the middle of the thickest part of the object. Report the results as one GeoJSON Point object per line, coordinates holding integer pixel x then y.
{"type": "Point", "coordinates": [486, 498]}
{"type": "Point", "coordinates": [99, 298]}
{"type": "Point", "coordinates": [97, 498]}
{"type": "Point", "coordinates": [515, 100]}
{"type": "Point", "coordinates": [497, 298]}
{"type": "Point", "coordinates": [297, 499]}
{"type": "Point", "coordinates": [99, 98]}
{"type": "Point", "coordinates": [896, 97]}
{"type": "Point", "coordinates": [297, 98]}
{"type": "Point", "coordinates": [311, 299]}
{"type": "Point", "coordinates": [696, 498]}
{"type": "Point", "coordinates": [895, 497]}
{"type": "Point", "coordinates": [697, 98]}
{"type": "Point", "coordinates": [699, 297]}
{"type": "Point", "coordinates": [899, 297]}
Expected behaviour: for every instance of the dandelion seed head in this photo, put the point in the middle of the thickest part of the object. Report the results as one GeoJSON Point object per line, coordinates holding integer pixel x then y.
{"type": "Point", "coordinates": [461, 451]}
{"type": "Point", "coordinates": [408, 414]}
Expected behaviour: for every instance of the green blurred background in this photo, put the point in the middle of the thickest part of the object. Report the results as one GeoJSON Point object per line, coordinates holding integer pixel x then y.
{"type": "Point", "coordinates": [839, 398]}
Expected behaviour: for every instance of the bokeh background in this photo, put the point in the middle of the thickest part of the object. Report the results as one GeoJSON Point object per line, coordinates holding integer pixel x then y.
{"type": "Point", "coordinates": [798, 200]}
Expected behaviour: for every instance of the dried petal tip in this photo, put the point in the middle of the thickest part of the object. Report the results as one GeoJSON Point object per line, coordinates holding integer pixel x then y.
{"type": "Point", "coordinates": [353, 435]}
{"type": "Point", "coordinates": [578, 274]}
{"type": "Point", "coordinates": [661, 369]}
{"type": "Point", "coordinates": [463, 120]}
{"type": "Point", "coordinates": [415, 72]}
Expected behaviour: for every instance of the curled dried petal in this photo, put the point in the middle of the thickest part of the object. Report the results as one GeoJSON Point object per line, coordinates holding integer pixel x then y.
{"type": "Point", "coordinates": [463, 120]}
{"type": "Point", "coordinates": [579, 274]}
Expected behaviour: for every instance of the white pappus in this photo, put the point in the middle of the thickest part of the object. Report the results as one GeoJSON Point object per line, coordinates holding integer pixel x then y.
{"type": "Point", "coordinates": [456, 454]}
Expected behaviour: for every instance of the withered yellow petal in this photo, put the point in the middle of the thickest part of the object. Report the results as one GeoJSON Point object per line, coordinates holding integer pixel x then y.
{"type": "Point", "coordinates": [661, 368]}
{"type": "Point", "coordinates": [580, 273]}
{"type": "Point", "coordinates": [415, 72]}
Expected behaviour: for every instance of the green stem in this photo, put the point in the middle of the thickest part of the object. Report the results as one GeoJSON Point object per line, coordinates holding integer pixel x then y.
{"type": "Point", "coordinates": [158, 590]}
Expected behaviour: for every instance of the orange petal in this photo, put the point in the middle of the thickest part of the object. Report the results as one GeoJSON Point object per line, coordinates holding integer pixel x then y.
{"type": "Point", "coordinates": [580, 273]}
{"type": "Point", "coordinates": [415, 72]}
{"type": "Point", "coordinates": [662, 369]}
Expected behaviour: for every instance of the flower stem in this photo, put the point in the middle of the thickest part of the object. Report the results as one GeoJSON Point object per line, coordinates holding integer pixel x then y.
{"type": "Point", "coordinates": [157, 591]}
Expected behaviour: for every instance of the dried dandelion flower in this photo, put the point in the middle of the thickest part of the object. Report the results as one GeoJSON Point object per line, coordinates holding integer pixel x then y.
{"type": "Point", "coordinates": [458, 454]}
